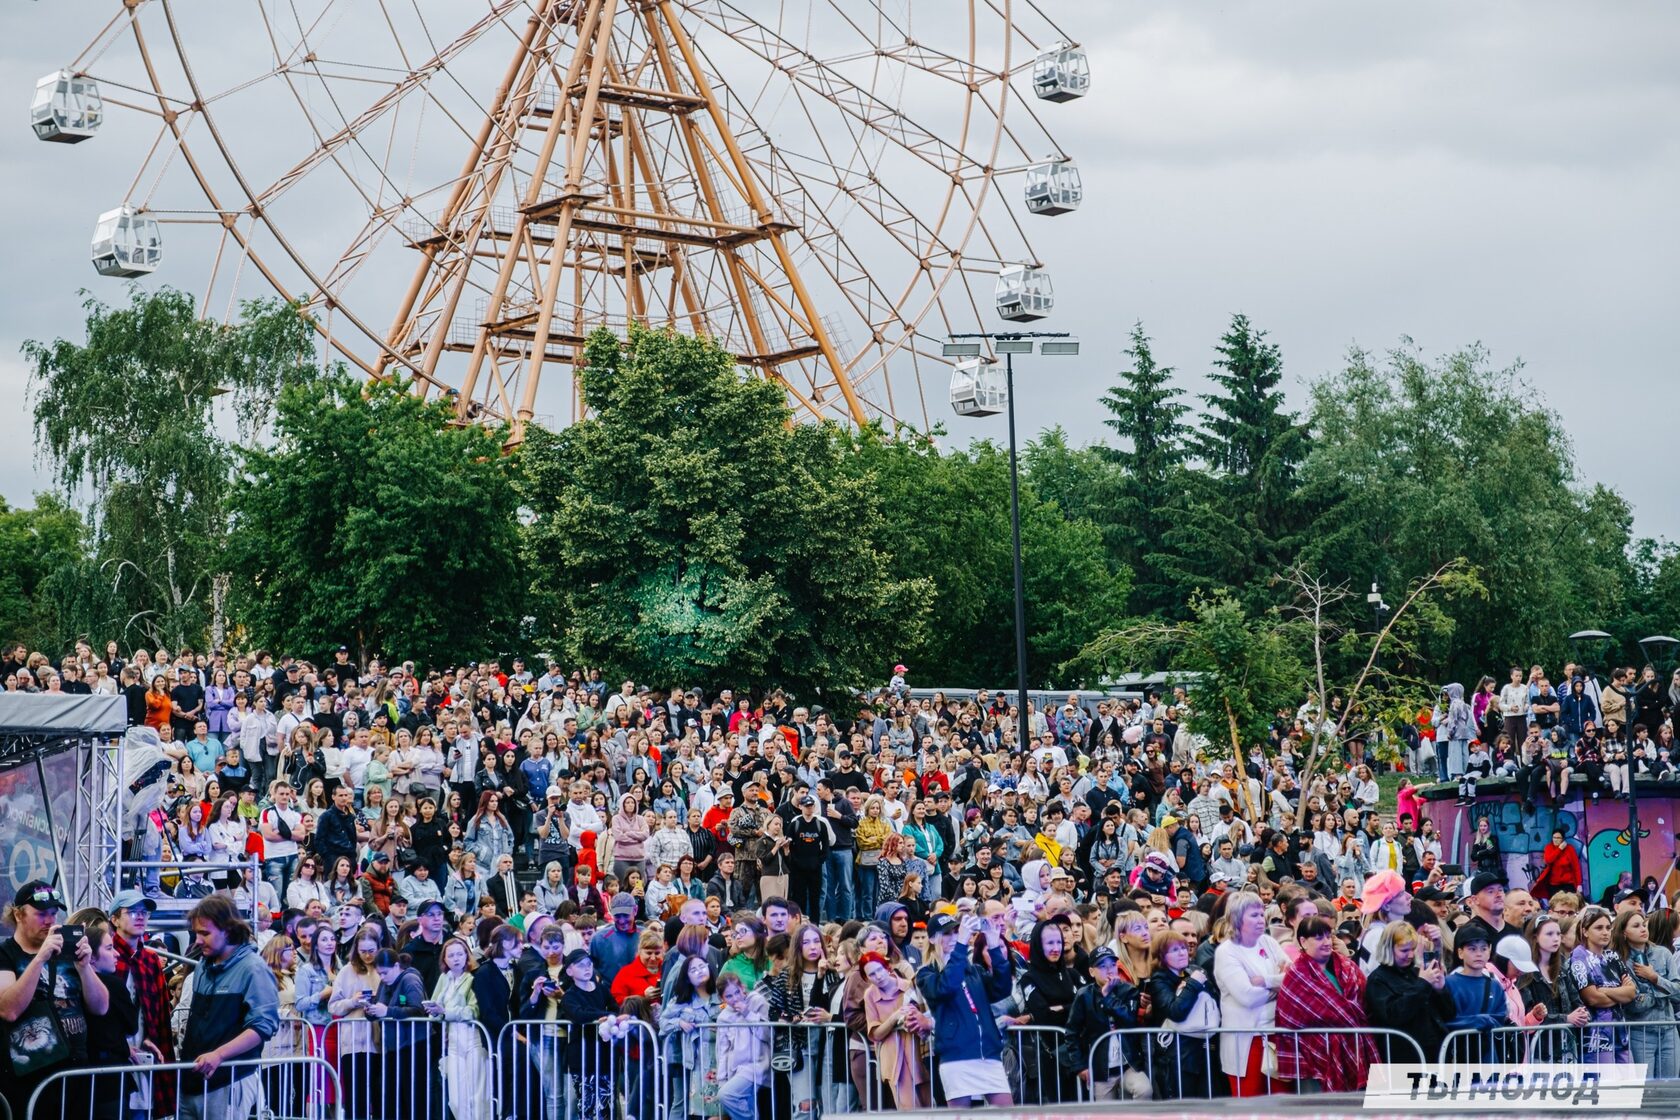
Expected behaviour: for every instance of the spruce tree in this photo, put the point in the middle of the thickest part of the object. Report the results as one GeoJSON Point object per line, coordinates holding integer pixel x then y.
{"type": "Point", "coordinates": [1147, 417]}
{"type": "Point", "coordinates": [1236, 524]}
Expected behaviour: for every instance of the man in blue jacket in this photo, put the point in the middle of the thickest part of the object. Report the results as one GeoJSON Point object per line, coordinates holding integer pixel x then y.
{"type": "Point", "coordinates": [235, 1010]}
{"type": "Point", "coordinates": [968, 970]}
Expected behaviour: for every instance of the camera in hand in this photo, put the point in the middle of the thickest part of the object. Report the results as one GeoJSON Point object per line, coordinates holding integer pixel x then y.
{"type": "Point", "coordinates": [73, 936]}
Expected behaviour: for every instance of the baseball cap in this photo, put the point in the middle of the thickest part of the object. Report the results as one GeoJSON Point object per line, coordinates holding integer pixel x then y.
{"type": "Point", "coordinates": [1623, 896]}
{"type": "Point", "coordinates": [428, 906]}
{"type": "Point", "coordinates": [1103, 955]}
{"type": "Point", "coordinates": [622, 903]}
{"type": "Point", "coordinates": [1485, 880]}
{"type": "Point", "coordinates": [1431, 893]}
{"type": "Point", "coordinates": [130, 899]}
{"type": "Point", "coordinates": [556, 791]}
{"type": "Point", "coordinates": [941, 924]}
{"type": "Point", "coordinates": [900, 669]}
{"type": "Point", "coordinates": [1471, 932]}
{"type": "Point", "coordinates": [575, 956]}
{"type": "Point", "coordinates": [807, 800]}
{"type": "Point", "coordinates": [40, 894]}
{"type": "Point", "coordinates": [1514, 948]}
{"type": "Point", "coordinates": [1169, 821]}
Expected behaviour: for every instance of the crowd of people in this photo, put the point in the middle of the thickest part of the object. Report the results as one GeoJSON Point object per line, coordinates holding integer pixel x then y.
{"type": "Point", "coordinates": [490, 884]}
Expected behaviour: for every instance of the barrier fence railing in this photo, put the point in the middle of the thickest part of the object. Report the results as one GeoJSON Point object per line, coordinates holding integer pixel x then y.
{"type": "Point", "coordinates": [554, 1069]}
{"type": "Point", "coordinates": [1149, 1063]}
{"type": "Point", "coordinates": [239, 1090]}
{"type": "Point", "coordinates": [414, 1066]}
{"type": "Point", "coordinates": [1649, 1042]}
{"type": "Point", "coordinates": [755, 1069]}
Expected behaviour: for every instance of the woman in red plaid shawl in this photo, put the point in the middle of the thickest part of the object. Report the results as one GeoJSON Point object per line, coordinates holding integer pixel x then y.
{"type": "Point", "coordinates": [1323, 988]}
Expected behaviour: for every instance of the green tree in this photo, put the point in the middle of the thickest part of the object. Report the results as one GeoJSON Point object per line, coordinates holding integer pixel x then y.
{"type": "Point", "coordinates": [1238, 667]}
{"type": "Point", "coordinates": [1149, 421]}
{"type": "Point", "coordinates": [50, 592]}
{"type": "Point", "coordinates": [1419, 462]}
{"type": "Point", "coordinates": [130, 416]}
{"type": "Point", "coordinates": [1082, 481]}
{"type": "Point", "coordinates": [687, 531]}
{"type": "Point", "coordinates": [377, 521]}
{"type": "Point", "coordinates": [1237, 523]}
{"type": "Point", "coordinates": [947, 518]}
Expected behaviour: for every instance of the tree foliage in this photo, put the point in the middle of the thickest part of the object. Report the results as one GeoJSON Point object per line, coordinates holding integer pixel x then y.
{"type": "Point", "coordinates": [947, 517]}
{"type": "Point", "coordinates": [1418, 463]}
{"type": "Point", "coordinates": [50, 590]}
{"type": "Point", "coordinates": [130, 417]}
{"type": "Point", "coordinates": [1149, 420]}
{"type": "Point", "coordinates": [1237, 521]}
{"type": "Point", "coordinates": [377, 521]}
{"type": "Point", "coordinates": [1238, 667]}
{"type": "Point", "coordinates": [688, 532]}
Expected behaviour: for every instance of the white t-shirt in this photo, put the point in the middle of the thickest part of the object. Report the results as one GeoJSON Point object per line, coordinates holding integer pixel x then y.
{"type": "Point", "coordinates": [1513, 700]}
{"type": "Point", "coordinates": [356, 761]}
{"type": "Point", "coordinates": [280, 849]}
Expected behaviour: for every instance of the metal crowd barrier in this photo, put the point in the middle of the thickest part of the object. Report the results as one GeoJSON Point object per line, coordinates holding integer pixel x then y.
{"type": "Point", "coordinates": [565, 1071]}
{"type": "Point", "coordinates": [1149, 1063]}
{"type": "Point", "coordinates": [1037, 1063]}
{"type": "Point", "coordinates": [773, 1071]}
{"type": "Point", "coordinates": [412, 1067]}
{"type": "Point", "coordinates": [119, 1091]}
{"type": "Point", "coordinates": [1654, 1043]}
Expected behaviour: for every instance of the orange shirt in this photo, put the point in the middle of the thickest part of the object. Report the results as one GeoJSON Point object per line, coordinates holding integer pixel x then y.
{"type": "Point", "coordinates": [158, 709]}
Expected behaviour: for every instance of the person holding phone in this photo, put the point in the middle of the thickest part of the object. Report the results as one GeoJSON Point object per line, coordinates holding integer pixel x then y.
{"type": "Point", "coordinates": [1407, 991]}
{"type": "Point", "coordinates": [48, 988]}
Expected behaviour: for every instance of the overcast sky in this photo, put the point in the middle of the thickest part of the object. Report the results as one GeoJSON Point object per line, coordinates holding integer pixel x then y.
{"type": "Point", "coordinates": [1507, 173]}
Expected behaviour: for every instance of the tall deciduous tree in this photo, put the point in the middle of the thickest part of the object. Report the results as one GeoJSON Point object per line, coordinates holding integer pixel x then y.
{"type": "Point", "coordinates": [130, 418]}
{"type": "Point", "coordinates": [688, 532]}
{"type": "Point", "coordinates": [1149, 420]}
{"type": "Point", "coordinates": [947, 517]}
{"type": "Point", "coordinates": [1419, 462]}
{"type": "Point", "coordinates": [1236, 524]}
{"type": "Point", "coordinates": [50, 591]}
{"type": "Point", "coordinates": [377, 521]}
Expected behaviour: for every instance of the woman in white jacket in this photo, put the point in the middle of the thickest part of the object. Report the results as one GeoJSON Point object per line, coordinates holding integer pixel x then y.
{"type": "Point", "coordinates": [1248, 968]}
{"type": "Point", "coordinates": [743, 1052]}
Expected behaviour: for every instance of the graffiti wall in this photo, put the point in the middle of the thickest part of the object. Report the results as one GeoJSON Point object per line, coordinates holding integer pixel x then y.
{"type": "Point", "coordinates": [1598, 830]}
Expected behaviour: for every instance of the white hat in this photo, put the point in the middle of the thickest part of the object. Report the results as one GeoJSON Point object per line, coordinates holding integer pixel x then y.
{"type": "Point", "coordinates": [1514, 948]}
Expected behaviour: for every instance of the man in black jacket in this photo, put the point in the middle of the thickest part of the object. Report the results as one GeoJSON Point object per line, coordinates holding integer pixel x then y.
{"type": "Point", "coordinates": [338, 830]}
{"type": "Point", "coordinates": [811, 839]}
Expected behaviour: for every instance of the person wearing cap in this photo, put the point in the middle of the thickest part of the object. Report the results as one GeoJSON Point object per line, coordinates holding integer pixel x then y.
{"type": "Point", "coordinates": [968, 968]}
{"type": "Point", "coordinates": [1383, 897]}
{"type": "Point", "coordinates": [585, 1003]}
{"type": "Point", "coordinates": [142, 970]}
{"type": "Point", "coordinates": [425, 944]}
{"type": "Point", "coordinates": [72, 992]}
{"type": "Point", "coordinates": [1108, 1003]}
{"type": "Point", "coordinates": [1479, 999]}
{"type": "Point", "coordinates": [810, 839]}
{"type": "Point", "coordinates": [616, 948]}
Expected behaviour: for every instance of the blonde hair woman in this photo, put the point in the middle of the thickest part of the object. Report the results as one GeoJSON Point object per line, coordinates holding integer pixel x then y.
{"type": "Point", "coordinates": [1248, 969]}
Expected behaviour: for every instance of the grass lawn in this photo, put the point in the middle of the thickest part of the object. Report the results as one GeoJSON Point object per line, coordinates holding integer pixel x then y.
{"type": "Point", "coordinates": [1389, 783]}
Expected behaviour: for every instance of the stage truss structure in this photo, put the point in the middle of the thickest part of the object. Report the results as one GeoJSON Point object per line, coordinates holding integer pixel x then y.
{"type": "Point", "coordinates": [461, 192]}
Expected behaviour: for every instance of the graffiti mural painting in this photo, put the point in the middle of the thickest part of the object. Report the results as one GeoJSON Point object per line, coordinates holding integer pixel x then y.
{"type": "Point", "coordinates": [1598, 831]}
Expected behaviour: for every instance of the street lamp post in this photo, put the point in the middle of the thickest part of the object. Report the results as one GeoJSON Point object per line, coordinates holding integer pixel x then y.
{"type": "Point", "coordinates": [1009, 344]}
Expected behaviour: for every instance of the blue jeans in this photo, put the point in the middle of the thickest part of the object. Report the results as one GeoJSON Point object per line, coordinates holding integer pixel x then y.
{"type": "Point", "coordinates": [279, 872]}
{"type": "Point", "coordinates": [837, 885]}
{"type": "Point", "coordinates": [739, 1097]}
{"type": "Point", "coordinates": [151, 850]}
{"type": "Point", "coordinates": [866, 877]}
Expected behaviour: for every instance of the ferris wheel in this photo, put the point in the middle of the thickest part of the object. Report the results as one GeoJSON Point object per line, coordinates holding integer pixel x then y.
{"type": "Point", "coordinates": [460, 193]}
